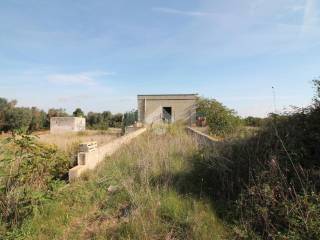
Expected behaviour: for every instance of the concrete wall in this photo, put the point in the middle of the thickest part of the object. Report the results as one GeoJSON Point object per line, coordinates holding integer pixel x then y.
{"type": "Point", "coordinates": [67, 124]}
{"type": "Point", "coordinates": [201, 138]}
{"type": "Point", "coordinates": [183, 107]}
{"type": "Point", "coordinates": [89, 160]}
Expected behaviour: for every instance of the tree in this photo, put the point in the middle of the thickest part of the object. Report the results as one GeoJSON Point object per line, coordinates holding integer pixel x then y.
{"type": "Point", "coordinates": [92, 118]}
{"type": "Point", "coordinates": [18, 119]}
{"type": "Point", "coordinates": [104, 120]}
{"type": "Point", "coordinates": [316, 99]}
{"type": "Point", "coordinates": [38, 120]}
{"type": "Point", "coordinates": [99, 120]}
{"type": "Point", "coordinates": [116, 120]}
{"type": "Point", "coordinates": [4, 107]}
{"type": "Point", "coordinates": [220, 119]}
{"type": "Point", "coordinates": [78, 113]}
{"type": "Point", "coordinates": [55, 112]}
{"type": "Point", "coordinates": [106, 115]}
{"type": "Point", "coordinates": [130, 118]}
{"type": "Point", "coordinates": [3, 103]}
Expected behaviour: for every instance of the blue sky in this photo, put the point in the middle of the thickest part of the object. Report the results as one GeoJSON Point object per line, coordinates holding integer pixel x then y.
{"type": "Point", "coordinates": [98, 55]}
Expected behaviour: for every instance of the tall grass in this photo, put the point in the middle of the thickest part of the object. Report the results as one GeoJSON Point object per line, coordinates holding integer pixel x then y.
{"type": "Point", "coordinates": [270, 180]}
{"type": "Point", "coordinates": [147, 205]}
{"type": "Point", "coordinates": [143, 202]}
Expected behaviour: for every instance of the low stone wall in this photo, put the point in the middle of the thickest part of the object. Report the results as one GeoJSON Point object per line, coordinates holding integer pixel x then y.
{"type": "Point", "coordinates": [90, 159]}
{"type": "Point", "coordinates": [202, 139]}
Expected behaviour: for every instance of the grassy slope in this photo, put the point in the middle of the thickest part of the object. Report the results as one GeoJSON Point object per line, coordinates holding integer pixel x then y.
{"type": "Point", "coordinates": [144, 206]}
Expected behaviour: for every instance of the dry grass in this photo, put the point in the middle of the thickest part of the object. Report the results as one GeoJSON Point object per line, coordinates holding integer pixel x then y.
{"type": "Point", "coordinates": [149, 173]}
{"type": "Point", "coordinates": [4, 135]}
{"type": "Point", "coordinates": [147, 203]}
{"type": "Point", "coordinates": [67, 141]}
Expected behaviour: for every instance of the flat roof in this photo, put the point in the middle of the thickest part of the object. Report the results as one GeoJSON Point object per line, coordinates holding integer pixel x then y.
{"type": "Point", "coordinates": [157, 95]}
{"type": "Point", "coordinates": [168, 96]}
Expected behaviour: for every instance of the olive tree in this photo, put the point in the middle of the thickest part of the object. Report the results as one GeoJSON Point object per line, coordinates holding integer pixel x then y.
{"type": "Point", "coordinates": [18, 119]}
{"type": "Point", "coordinates": [78, 113]}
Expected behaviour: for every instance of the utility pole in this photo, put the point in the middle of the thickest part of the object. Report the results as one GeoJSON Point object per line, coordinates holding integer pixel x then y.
{"type": "Point", "coordinates": [274, 99]}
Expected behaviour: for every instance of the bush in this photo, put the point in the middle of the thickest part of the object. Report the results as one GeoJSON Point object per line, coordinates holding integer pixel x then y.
{"type": "Point", "coordinates": [253, 121]}
{"type": "Point", "coordinates": [29, 174]}
{"type": "Point", "coordinates": [276, 211]}
{"type": "Point", "coordinates": [271, 178]}
{"type": "Point", "coordinates": [220, 119]}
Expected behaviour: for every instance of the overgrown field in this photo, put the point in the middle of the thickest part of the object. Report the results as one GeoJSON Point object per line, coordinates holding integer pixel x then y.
{"type": "Point", "coordinates": [261, 185]}
{"type": "Point", "coordinates": [139, 193]}
{"type": "Point", "coordinates": [66, 141]}
{"type": "Point", "coordinates": [268, 182]}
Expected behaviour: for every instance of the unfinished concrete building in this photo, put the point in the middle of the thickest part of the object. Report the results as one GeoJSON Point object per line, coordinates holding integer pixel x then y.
{"type": "Point", "coordinates": [67, 124]}
{"type": "Point", "coordinates": [167, 108]}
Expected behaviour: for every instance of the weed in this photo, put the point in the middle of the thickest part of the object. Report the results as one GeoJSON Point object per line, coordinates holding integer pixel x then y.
{"type": "Point", "coordinates": [139, 208]}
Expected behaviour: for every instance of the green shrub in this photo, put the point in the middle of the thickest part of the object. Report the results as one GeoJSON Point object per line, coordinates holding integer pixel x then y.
{"type": "Point", "coordinates": [276, 211]}
{"type": "Point", "coordinates": [253, 121]}
{"type": "Point", "coordinates": [221, 120]}
{"type": "Point", "coordinates": [270, 178]}
{"type": "Point", "coordinates": [30, 173]}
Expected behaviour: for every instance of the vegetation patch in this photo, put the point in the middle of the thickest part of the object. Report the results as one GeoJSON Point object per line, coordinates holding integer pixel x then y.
{"type": "Point", "coordinates": [122, 200]}
{"type": "Point", "coordinates": [30, 173]}
{"type": "Point", "coordinates": [270, 180]}
{"type": "Point", "coordinates": [221, 120]}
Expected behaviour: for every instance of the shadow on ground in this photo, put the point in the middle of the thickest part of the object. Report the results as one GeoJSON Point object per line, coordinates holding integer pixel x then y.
{"type": "Point", "coordinates": [201, 182]}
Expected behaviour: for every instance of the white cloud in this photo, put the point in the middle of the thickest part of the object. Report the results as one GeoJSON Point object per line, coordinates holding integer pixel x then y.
{"type": "Point", "coordinates": [254, 5]}
{"type": "Point", "coordinates": [76, 98]}
{"type": "Point", "coordinates": [181, 12]}
{"type": "Point", "coordinates": [83, 78]}
{"type": "Point", "coordinates": [71, 79]}
{"type": "Point", "coordinates": [311, 17]}
{"type": "Point", "coordinates": [296, 8]}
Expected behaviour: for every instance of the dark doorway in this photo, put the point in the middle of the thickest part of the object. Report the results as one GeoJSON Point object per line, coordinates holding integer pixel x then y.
{"type": "Point", "coordinates": [167, 114]}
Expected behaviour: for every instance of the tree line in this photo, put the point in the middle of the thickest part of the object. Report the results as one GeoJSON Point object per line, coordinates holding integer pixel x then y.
{"type": "Point", "coordinates": [28, 119]}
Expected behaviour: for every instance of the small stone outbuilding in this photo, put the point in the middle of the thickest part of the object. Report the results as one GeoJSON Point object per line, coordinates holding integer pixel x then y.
{"type": "Point", "coordinates": [167, 108]}
{"type": "Point", "coordinates": [67, 124]}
